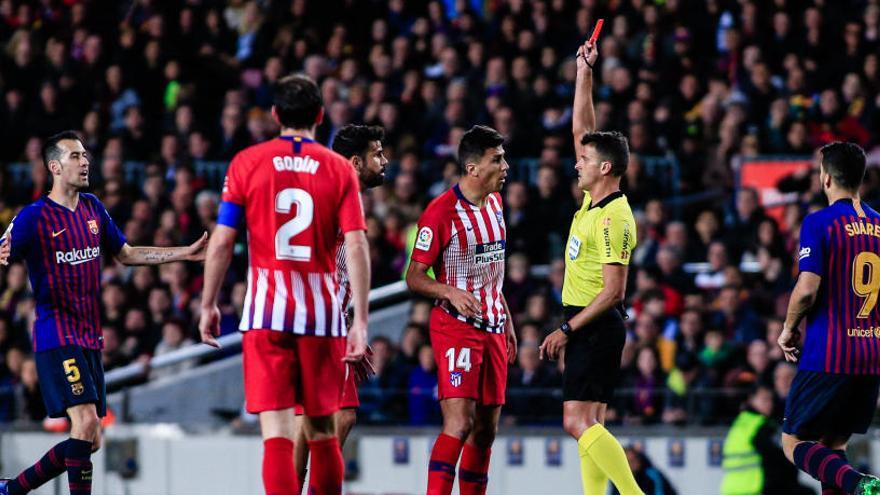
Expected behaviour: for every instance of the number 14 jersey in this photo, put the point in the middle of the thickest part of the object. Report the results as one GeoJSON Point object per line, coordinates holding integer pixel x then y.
{"type": "Point", "coordinates": [841, 244]}
{"type": "Point", "coordinates": [297, 197]}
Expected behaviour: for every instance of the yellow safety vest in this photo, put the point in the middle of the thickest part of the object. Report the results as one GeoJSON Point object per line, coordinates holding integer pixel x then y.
{"type": "Point", "coordinates": [743, 473]}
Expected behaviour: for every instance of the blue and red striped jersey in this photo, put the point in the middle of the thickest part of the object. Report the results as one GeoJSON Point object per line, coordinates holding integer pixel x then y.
{"type": "Point", "coordinates": [62, 250]}
{"type": "Point", "coordinates": [841, 244]}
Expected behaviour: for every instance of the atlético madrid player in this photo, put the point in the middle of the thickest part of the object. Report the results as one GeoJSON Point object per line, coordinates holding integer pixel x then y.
{"type": "Point", "coordinates": [296, 196]}
{"type": "Point", "coordinates": [462, 237]}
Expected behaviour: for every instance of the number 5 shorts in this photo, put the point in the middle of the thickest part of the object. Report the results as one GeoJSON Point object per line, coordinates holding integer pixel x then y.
{"type": "Point", "coordinates": [282, 370]}
{"type": "Point", "coordinates": [471, 363]}
{"type": "Point", "coordinates": [81, 381]}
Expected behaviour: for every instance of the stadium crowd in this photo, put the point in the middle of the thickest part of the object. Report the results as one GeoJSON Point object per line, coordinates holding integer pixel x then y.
{"type": "Point", "coordinates": [159, 89]}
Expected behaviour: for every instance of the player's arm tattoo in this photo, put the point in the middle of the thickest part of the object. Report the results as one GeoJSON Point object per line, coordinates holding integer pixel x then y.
{"type": "Point", "coordinates": [151, 255]}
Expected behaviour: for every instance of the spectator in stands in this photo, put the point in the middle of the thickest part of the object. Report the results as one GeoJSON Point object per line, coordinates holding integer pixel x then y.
{"type": "Point", "coordinates": [648, 386]}
{"type": "Point", "coordinates": [28, 400]}
{"type": "Point", "coordinates": [527, 400]}
{"type": "Point", "coordinates": [422, 389]}
{"type": "Point", "coordinates": [173, 338]}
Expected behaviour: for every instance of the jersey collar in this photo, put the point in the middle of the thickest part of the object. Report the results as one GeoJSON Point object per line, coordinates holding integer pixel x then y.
{"type": "Point", "coordinates": [460, 195]}
{"type": "Point", "coordinates": [297, 142]}
{"type": "Point", "coordinates": [299, 139]}
{"type": "Point", "coordinates": [607, 199]}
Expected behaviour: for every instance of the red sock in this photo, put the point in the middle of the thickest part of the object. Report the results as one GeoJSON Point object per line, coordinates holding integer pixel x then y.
{"type": "Point", "coordinates": [441, 470]}
{"type": "Point", "coordinates": [279, 474]}
{"type": "Point", "coordinates": [327, 467]}
{"type": "Point", "coordinates": [473, 474]}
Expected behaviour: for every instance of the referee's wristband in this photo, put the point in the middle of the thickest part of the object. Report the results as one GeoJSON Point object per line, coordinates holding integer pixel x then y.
{"type": "Point", "coordinates": [566, 328]}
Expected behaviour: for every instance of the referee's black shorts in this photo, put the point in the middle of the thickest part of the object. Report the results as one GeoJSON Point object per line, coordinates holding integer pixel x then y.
{"type": "Point", "coordinates": [592, 357]}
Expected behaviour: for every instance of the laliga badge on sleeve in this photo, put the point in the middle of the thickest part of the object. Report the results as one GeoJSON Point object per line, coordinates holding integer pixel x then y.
{"type": "Point", "coordinates": [515, 451]}
{"type": "Point", "coordinates": [553, 452]}
{"type": "Point", "coordinates": [424, 239]}
{"type": "Point", "coordinates": [400, 450]}
{"type": "Point", "coordinates": [676, 452]}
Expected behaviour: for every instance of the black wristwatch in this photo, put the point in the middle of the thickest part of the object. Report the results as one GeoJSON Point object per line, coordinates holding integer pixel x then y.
{"type": "Point", "coordinates": [566, 328]}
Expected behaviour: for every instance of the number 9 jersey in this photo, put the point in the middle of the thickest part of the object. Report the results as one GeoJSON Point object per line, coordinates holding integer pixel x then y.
{"type": "Point", "coordinates": [841, 244]}
{"type": "Point", "coordinates": [297, 197]}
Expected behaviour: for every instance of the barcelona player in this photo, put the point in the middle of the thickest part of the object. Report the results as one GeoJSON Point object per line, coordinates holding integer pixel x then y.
{"type": "Point", "coordinates": [296, 197]}
{"type": "Point", "coordinates": [834, 393]}
{"type": "Point", "coordinates": [462, 236]}
{"type": "Point", "coordinates": [61, 238]}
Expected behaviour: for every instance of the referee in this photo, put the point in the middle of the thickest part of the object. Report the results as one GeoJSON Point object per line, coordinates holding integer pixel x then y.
{"type": "Point", "coordinates": [600, 241]}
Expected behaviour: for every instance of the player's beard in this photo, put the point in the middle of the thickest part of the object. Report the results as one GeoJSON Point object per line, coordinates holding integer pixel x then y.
{"type": "Point", "coordinates": [374, 180]}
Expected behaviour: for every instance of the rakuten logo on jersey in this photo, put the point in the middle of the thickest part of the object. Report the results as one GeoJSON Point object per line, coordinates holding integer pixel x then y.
{"type": "Point", "coordinates": [304, 164]}
{"type": "Point", "coordinates": [77, 256]}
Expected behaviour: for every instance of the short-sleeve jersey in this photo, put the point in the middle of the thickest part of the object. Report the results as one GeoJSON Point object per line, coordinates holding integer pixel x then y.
{"type": "Point", "coordinates": [600, 234]}
{"type": "Point", "coordinates": [297, 196]}
{"type": "Point", "coordinates": [465, 245]}
{"type": "Point", "coordinates": [841, 244]}
{"type": "Point", "coordinates": [62, 250]}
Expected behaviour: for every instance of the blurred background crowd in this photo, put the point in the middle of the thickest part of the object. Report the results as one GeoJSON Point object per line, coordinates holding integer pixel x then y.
{"type": "Point", "coordinates": [165, 93]}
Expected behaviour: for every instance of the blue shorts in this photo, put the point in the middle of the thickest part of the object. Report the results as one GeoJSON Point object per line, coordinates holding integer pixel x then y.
{"type": "Point", "coordinates": [70, 376]}
{"type": "Point", "coordinates": [821, 404]}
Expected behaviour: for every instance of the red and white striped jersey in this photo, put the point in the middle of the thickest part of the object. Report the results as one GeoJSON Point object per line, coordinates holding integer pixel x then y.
{"type": "Point", "coordinates": [298, 196]}
{"type": "Point", "coordinates": [465, 245]}
{"type": "Point", "coordinates": [344, 294]}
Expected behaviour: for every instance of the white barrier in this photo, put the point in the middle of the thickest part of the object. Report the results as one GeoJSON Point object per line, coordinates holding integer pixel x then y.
{"type": "Point", "coordinates": [172, 463]}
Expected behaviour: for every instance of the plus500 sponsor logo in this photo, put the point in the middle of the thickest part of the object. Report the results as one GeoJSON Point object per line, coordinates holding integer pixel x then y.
{"type": "Point", "coordinates": [489, 253]}
{"type": "Point", "coordinates": [77, 256]}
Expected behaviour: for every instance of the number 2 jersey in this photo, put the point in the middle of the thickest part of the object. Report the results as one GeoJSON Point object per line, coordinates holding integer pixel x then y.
{"type": "Point", "coordinates": [62, 249]}
{"type": "Point", "coordinates": [297, 197]}
{"type": "Point", "coordinates": [465, 244]}
{"type": "Point", "coordinates": [841, 244]}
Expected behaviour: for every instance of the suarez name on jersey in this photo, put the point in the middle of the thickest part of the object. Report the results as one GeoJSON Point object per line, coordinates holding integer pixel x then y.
{"type": "Point", "coordinates": [62, 249]}
{"type": "Point", "coordinates": [841, 243]}
{"type": "Point", "coordinates": [297, 197]}
{"type": "Point", "coordinates": [465, 245]}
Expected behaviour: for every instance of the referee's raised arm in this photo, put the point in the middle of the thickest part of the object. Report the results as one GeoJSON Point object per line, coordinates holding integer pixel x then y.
{"type": "Point", "coordinates": [583, 114]}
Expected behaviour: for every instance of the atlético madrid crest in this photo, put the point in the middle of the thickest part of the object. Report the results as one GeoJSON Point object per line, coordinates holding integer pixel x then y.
{"type": "Point", "coordinates": [455, 378]}
{"type": "Point", "coordinates": [93, 226]}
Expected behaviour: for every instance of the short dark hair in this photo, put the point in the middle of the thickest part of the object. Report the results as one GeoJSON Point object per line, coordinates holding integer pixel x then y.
{"type": "Point", "coordinates": [845, 162]}
{"type": "Point", "coordinates": [354, 140]}
{"type": "Point", "coordinates": [611, 146]}
{"type": "Point", "coordinates": [297, 101]}
{"type": "Point", "coordinates": [475, 142]}
{"type": "Point", "coordinates": [51, 150]}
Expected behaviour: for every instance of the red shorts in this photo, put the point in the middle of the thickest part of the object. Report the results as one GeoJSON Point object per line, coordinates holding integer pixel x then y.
{"type": "Point", "coordinates": [349, 399]}
{"type": "Point", "coordinates": [282, 370]}
{"type": "Point", "coordinates": [471, 363]}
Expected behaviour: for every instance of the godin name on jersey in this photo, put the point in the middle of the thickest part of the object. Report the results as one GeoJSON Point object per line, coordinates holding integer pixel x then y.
{"type": "Point", "coordinates": [305, 164]}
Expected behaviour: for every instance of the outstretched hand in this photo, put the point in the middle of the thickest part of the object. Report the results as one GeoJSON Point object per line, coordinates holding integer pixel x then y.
{"type": "Point", "coordinates": [196, 250]}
